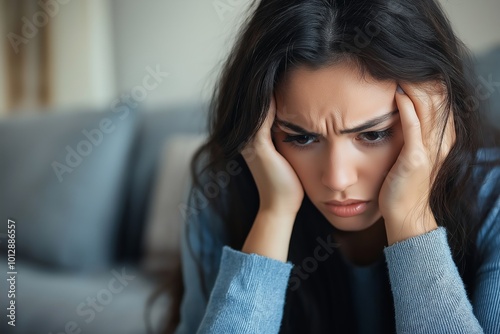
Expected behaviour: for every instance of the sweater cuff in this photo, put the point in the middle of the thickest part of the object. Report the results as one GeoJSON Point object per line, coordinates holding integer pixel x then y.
{"type": "Point", "coordinates": [426, 285]}
{"type": "Point", "coordinates": [426, 256]}
{"type": "Point", "coordinates": [249, 294]}
{"type": "Point", "coordinates": [257, 275]}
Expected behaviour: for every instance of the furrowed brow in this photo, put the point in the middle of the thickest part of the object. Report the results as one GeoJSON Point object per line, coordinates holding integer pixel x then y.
{"type": "Point", "coordinates": [371, 123]}
{"type": "Point", "coordinates": [296, 128]}
{"type": "Point", "coordinates": [366, 125]}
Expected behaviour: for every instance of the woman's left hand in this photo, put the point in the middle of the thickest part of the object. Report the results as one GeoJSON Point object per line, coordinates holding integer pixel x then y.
{"type": "Point", "coordinates": [404, 196]}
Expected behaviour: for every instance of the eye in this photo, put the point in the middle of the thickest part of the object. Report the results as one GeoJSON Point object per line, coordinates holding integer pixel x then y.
{"type": "Point", "coordinates": [373, 138]}
{"type": "Point", "coordinates": [300, 141]}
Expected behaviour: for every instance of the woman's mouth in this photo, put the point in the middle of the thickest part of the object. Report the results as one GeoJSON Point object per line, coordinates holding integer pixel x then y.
{"type": "Point", "coordinates": [348, 208]}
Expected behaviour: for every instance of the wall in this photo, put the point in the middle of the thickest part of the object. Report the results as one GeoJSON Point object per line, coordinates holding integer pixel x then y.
{"type": "Point", "coordinates": [185, 38]}
{"type": "Point", "coordinates": [82, 62]}
{"type": "Point", "coordinates": [3, 83]}
{"type": "Point", "coordinates": [189, 38]}
{"type": "Point", "coordinates": [477, 22]}
{"type": "Point", "coordinates": [102, 48]}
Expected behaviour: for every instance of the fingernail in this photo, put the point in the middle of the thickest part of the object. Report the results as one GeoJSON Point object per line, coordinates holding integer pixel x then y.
{"type": "Point", "coordinates": [399, 90]}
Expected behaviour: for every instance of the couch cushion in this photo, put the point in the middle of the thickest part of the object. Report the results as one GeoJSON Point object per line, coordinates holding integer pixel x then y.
{"type": "Point", "coordinates": [162, 230]}
{"type": "Point", "coordinates": [108, 302]}
{"type": "Point", "coordinates": [154, 128]}
{"type": "Point", "coordinates": [62, 179]}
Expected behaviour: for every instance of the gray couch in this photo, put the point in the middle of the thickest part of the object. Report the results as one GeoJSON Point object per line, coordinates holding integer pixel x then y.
{"type": "Point", "coordinates": [93, 195]}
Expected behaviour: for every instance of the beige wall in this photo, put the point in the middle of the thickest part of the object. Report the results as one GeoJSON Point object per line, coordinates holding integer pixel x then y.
{"type": "Point", "coordinates": [103, 47]}
{"type": "Point", "coordinates": [3, 83]}
{"type": "Point", "coordinates": [188, 38]}
{"type": "Point", "coordinates": [82, 54]}
{"type": "Point", "coordinates": [476, 22]}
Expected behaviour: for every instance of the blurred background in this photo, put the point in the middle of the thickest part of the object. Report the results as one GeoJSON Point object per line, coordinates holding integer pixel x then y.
{"type": "Point", "coordinates": [102, 103]}
{"type": "Point", "coordinates": [88, 52]}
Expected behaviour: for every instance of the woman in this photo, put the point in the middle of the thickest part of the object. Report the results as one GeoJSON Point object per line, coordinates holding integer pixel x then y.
{"type": "Point", "coordinates": [341, 189]}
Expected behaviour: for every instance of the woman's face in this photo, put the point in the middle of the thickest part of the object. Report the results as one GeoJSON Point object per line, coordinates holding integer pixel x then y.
{"type": "Point", "coordinates": [319, 129]}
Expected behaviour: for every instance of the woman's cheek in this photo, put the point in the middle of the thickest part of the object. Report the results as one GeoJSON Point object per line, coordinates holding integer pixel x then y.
{"type": "Point", "coordinates": [304, 162]}
{"type": "Point", "coordinates": [286, 151]}
{"type": "Point", "coordinates": [291, 154]}
{"type": "Point", "coordinates": [282, 147]}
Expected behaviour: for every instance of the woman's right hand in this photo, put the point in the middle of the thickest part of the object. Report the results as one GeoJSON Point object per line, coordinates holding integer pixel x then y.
{"type": "Point", "coordinates": [280, 189]}
{"type": "Point", "coordinates": [280, 192]}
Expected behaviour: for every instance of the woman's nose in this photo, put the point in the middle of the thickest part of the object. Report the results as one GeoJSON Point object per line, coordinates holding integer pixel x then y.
{"type": "Point", "coordinates": [339, 171]}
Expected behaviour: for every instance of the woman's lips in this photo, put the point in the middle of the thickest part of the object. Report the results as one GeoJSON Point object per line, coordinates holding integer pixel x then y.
{"type": "Point", "coordinates": [348, 210]}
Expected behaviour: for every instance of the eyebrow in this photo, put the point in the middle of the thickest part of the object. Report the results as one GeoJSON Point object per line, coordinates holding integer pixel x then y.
{"type": "Point", "coordinates": [366, 125]}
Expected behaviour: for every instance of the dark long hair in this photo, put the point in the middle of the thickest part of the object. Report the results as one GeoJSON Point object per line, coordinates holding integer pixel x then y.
{"type": "Point", "coordinates": [402, 40]}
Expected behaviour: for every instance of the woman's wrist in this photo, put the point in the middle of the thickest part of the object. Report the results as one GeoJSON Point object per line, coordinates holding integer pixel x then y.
{"type": "Point", "coordinates": [270, 234]}
{"type": "Point", "coordinates": [402, 229]}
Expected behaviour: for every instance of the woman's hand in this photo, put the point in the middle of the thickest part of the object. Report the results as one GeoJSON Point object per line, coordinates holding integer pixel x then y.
{"type": "Point", "coordinates": [280, 192]}
{"type": "Point", "coordinates": [279, 186]}
{"type": "Point", "coordinates": [404, 196]}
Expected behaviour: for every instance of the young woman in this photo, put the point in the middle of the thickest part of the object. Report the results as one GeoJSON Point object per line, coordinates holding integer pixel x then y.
{"type": "Point", "coordinates": [344, 186]}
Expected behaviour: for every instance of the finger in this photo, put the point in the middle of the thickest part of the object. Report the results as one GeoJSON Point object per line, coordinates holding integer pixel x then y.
{"type": "Point", "coordinates": [264, 132]}
{"type": "Point", "coordinates": [263, 136]}
{"type": "Point", "coordinates": [429, 100]}
{"type": "Point", "coordinates": [424, 107]}
{"type": "Point", "coordinates": [412, 131]}
{"type": "Point", "coordinates": [271, 114]}
{"type": "Point", "coordinates": [446, 121]}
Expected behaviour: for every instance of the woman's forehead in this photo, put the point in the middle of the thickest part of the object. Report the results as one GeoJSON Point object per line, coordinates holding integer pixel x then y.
{"type": "Point", "coordinates": [336, 92]}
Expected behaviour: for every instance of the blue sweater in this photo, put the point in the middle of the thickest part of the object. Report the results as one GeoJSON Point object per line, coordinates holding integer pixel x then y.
{"type": "Point", "coordinates": [248, 290]}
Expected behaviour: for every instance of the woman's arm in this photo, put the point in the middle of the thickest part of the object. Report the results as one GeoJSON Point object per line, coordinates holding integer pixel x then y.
{"type": "Point", "coordinates": [194, 302]}
{"type": "Point", "coordinates": [486, 295]}
{"type": "Point", "coordinates": [429, 294]}
{"type": "Point", "coordinates": [249, 292]}
{"type": "Point", "coordinates": [248, 295]}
